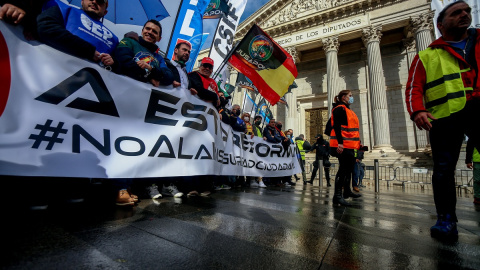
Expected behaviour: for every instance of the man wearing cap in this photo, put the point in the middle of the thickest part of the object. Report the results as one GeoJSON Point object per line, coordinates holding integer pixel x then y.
{"type": "Point", "coordinates": [79, 32]}
{"type": "Point", "coordinates": [140, 59]}
{"type": "Point", "coordinates": [202, 85]}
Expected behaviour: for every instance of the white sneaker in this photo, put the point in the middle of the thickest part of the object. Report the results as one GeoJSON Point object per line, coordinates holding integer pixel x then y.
{"type": "Point", "coordinates": [261, 184]}
{"type": "Point", "coordinates": [171, 191]}
{"type": "Point", "coordinates": [254, 184]}
{"type": "Point", "coordinates": [287, 184]}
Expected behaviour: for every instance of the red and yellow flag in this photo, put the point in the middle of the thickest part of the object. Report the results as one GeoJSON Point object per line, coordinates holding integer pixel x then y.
{"type": "Point", "coordinates": [270, 68]}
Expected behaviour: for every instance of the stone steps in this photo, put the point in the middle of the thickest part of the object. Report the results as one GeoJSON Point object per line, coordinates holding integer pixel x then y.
{"type": "Point", "coordinates": [401, 159]}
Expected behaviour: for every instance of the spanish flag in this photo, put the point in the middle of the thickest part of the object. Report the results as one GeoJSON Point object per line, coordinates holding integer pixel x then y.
{"type": "Point", "coordinates": [270, 68]}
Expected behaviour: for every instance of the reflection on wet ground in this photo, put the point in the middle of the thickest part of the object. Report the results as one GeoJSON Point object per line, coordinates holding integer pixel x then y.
{"type": "Point", "coordinates": [273, 228]}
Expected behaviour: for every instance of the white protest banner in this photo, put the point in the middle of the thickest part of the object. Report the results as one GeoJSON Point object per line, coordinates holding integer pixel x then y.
{"type": "Point", "coordinates": [63, 116]}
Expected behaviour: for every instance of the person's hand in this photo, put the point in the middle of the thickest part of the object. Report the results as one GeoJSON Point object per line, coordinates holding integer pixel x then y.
{"type": "Point", "coordinates": [264, 138]}
{"type": "Point", "coordinates": [155, 82]}
{"type": "Point", "coordinates": [251, 136]}
{"type": "Point", "coordinates": [469, 165]}
{"type": "Point", "coordinates": [340, 148]}
{"type": "Point", "coordinates": [176, 84]}
{"type": "Point", "coordinates": [422, 122]}
{"type": "Point", "coordinates": [193, 91]}
{"type": "Point", "coordinates": [357, 160]}
{"type": "Point", "coordinates": [218, 102]}
{"type": "Point", "coordinates": [106, 59]}
{"type": "Point", "coordinates": [12, 13]}
{"type": "Point", "coordinates": [96, 56]}
{"type": "Point", "coordinates": [144, 65]}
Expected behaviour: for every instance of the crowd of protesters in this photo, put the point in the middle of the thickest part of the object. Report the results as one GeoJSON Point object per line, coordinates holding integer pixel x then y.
{"type": "Point", "coordinates": [62, 27]}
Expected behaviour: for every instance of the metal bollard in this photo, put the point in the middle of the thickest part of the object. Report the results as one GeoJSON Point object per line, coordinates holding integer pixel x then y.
{"type": "Point", "coordinates": [376, 174]}
{"type": "Point", "coordinates": [320, 172]}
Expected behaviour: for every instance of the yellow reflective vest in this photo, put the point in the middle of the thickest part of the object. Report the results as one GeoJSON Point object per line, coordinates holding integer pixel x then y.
{"type": "Point", "coordinates": [300, 148]}
{"type": "Point", "coordinates": [444, 88]}
{"type": "Point", "coordinates": [476, 155]}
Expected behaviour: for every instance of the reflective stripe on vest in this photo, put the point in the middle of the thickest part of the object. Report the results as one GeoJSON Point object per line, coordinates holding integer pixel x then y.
{"type": "Point", "coordinates": [444, 88]}
{"type": "Point", "coordinates": [350, 133]}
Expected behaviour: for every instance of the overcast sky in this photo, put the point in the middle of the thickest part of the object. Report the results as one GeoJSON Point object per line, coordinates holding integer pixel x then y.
{"type": "Point", "coordinates": [209, 26]}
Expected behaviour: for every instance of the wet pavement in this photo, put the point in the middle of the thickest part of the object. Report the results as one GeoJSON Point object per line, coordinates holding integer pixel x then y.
{"type": "Point", "coordinates": [244, 228]}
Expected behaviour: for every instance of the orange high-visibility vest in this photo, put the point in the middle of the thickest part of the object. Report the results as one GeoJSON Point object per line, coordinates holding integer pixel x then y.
{"type": "Point", "coordinates": [350, 132]}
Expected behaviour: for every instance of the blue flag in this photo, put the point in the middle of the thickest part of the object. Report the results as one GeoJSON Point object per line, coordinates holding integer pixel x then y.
{"type": "Point", "coordinates": [189, 28]}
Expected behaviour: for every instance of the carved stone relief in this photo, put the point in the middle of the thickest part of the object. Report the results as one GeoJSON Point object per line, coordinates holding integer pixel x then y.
{"type": "Point", "coordinates": [330, 44]}
{"type": "Point", "coordinates": [371, 34]}
{"type": "Point", "coordinates": [298, 6]}
{"type": "Point", "coordinates": [423, 22]}
{"type": "Point", "coordinates": [292, 50]}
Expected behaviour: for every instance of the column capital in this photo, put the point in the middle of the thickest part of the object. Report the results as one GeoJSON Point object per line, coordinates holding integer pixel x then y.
{"type": "Point", "coordinates": [410, 44]}
{"type": "Point", "coordinates": [371, 33]}
{"type": "Point", "coordinates": [330, 44]}
{"type": "Point", "coordinates": [292, 50]}
{"type": "Point", "coordinates": [423, 22]}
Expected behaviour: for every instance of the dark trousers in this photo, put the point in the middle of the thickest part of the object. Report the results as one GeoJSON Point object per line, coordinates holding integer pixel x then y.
{"type": "Point", "coordinates": [358, 174]}
{"type": "Point", "coordinates": [326, 170]}
{"type": "Point", "coordinates": [446, 137]}
{"type": "Point", "coordinates": [346, 161]}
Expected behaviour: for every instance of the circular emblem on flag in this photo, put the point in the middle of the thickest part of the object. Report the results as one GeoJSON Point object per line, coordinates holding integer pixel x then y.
{"type": "Point", "coordinates": [260, 48]}
{"type": "Point", "coordinates": [213, 4]}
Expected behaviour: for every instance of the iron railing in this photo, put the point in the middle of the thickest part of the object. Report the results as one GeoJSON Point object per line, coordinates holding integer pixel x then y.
{"type": "Point", "coordinates": [405, 175]}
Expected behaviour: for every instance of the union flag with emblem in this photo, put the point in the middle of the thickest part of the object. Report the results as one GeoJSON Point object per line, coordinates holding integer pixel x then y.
{"type": "Point", "coordinates": [270, 68]}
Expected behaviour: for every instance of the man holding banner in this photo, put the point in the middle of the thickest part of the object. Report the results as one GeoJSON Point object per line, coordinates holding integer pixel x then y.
{"type": "Point", "coordinates": [79, 32]}
{"type": "Point", "coordinates": [202, 85]}
{"type": "Point", "coordinates": [141, 60]}
{"type": "Point", "coordinates": [181, 54]}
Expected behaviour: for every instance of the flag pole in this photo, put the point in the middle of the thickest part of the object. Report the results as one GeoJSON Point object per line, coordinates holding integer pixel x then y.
{"type": "Point", "coordinates": [225, 60]}
{"type": "Point", "coordinates": [244, 98]}
{"type": "Point", "coordinates": [175, 24]}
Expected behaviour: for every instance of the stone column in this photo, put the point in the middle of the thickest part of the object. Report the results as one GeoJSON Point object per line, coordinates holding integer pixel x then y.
{"type": "Point", "coordinates": [331, 45]}
{"type": "Point", "coordinates": [422, 27]}
{"type": "Point", "coordinates": [381, 127]}
{"type": "Point", "coordinates": [290, 97]}
{"type": "Point", "coordinates": [421, 136]}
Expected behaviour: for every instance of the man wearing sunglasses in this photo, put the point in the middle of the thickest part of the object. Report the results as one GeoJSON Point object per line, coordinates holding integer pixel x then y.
{"type": "Point", "coordinates": [79, 32]}
{"type": "Point", "coordinates": [202, 85]}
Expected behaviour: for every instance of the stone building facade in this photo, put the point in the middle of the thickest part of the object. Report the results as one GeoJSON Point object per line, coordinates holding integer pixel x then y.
{"type": "Point", "coordinates": [362, 45]}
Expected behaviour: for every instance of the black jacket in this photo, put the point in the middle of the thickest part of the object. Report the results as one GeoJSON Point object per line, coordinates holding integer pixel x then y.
{"type": "Point", "coordinates": [339, 118]}
{"type": "Point", "coordinates": [231, 119]}
{"type": "Point", "coordinates": [52, 31]}
{"type": "Point", "coordinates": [195, 82]}
{"type": "Point", "coordinates": [174, 70]}
{"type": "Point", "coordinates": [322, 149]}
{"type": "Point", "coordinates": [32, 8]}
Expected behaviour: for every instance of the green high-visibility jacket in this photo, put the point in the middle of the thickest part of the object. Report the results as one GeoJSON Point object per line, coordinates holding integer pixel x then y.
{"type": "Point", "coordinates": [444, 88]}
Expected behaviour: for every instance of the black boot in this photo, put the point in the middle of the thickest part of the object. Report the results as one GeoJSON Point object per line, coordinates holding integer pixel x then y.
{"type": "Point", "coordinates": [347, 191]}
{"type": "Point", "coordinates": [328, 182]}
{"type": "Point", "coordinates": [337, 196]}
